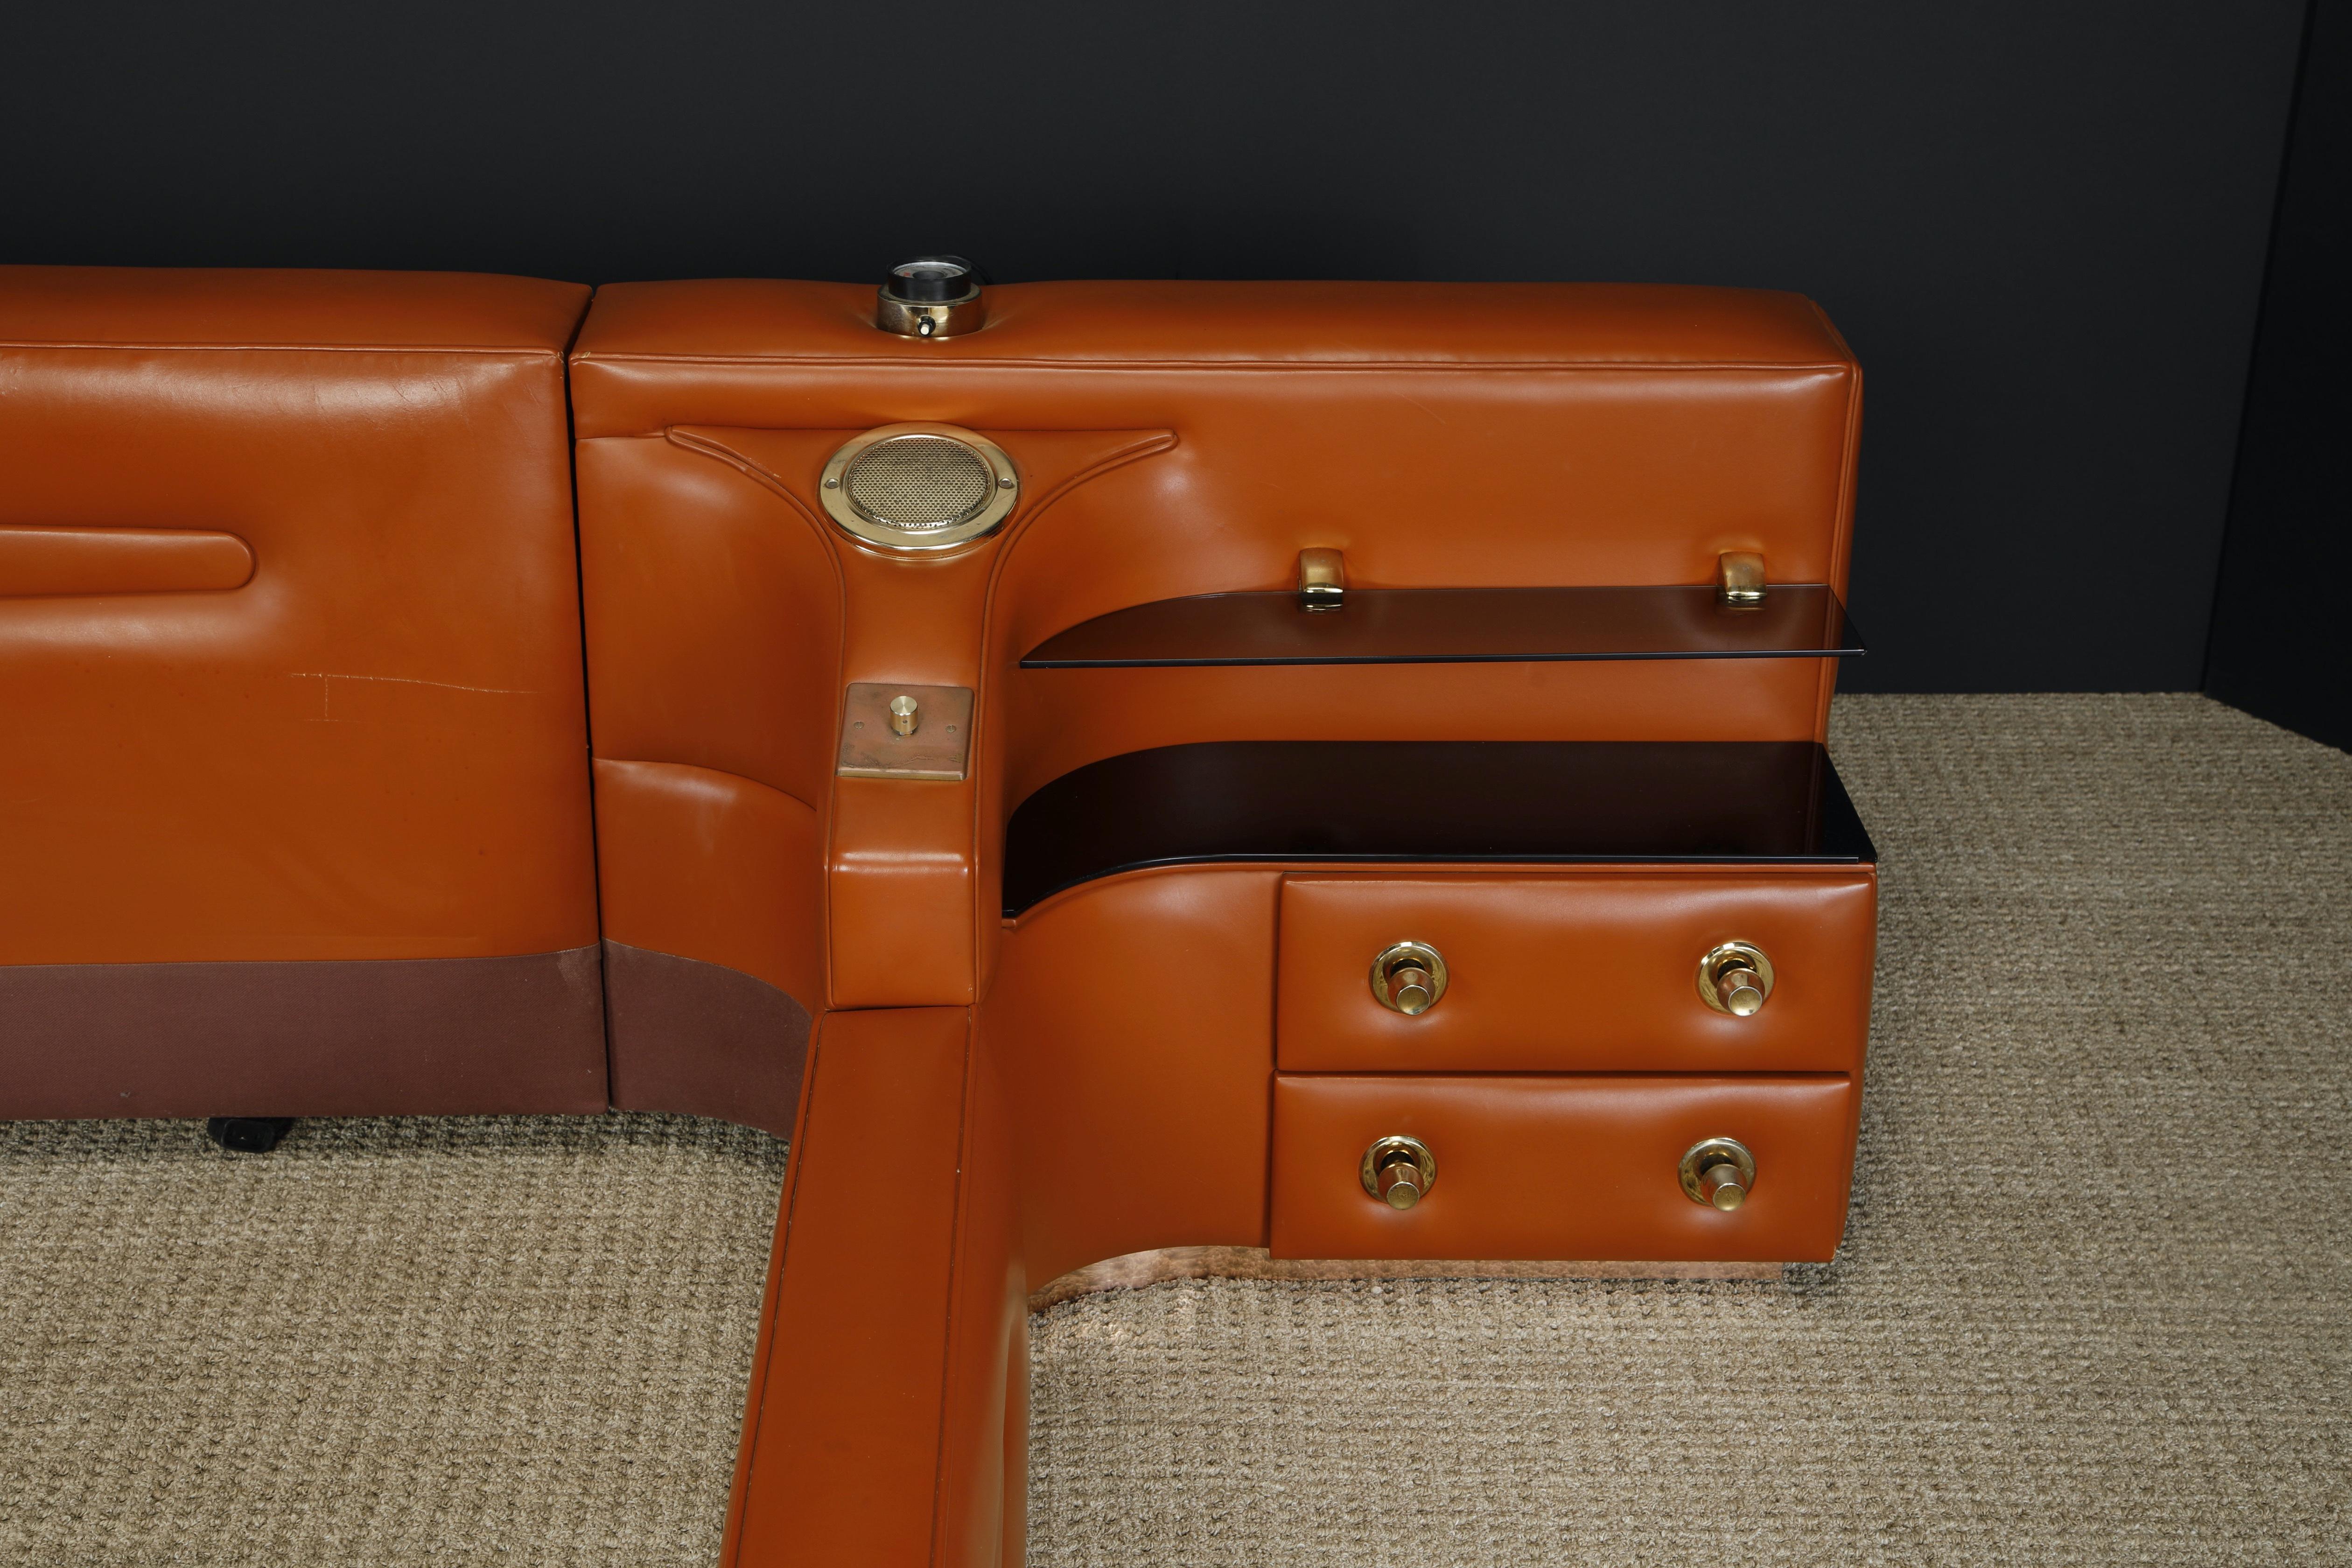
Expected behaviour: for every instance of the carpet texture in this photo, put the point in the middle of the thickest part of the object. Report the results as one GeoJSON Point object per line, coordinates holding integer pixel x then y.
{"type": "Point", "coordinates": [477, 1340]}
{"type": "Point", "coordinates": [2095, 1303]}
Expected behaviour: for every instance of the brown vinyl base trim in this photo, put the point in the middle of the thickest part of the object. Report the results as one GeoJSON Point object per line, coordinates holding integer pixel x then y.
{"type": "Point", "coordinates": [702, 1039]}
{"type": "Point", "coordinates": [400, 1036]}
{"type": "Point", "coordinates": [1138, 1269]}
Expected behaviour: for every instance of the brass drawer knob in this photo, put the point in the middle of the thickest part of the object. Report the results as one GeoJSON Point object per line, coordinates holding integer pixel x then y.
{"type": "Point", "coordinates": [1399, 1171]}
{"type": "Point", "coordinates": [1409, 978]}
{"type": "Point", "coordinates": [1735, 978]}
{"type": "Point", "coordinates": [1719, 1172]}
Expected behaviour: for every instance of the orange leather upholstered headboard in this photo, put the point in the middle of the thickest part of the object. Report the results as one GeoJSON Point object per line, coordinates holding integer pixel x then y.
{"type": "Point", "coordinates": [1081, 895]}
{"type": "Point", "coordinates": [297, 798]}
{"type": "Point", "coordinates": [1177, 438]}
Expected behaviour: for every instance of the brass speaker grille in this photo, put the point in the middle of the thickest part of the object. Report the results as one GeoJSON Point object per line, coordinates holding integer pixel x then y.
{"type": "Point", "coordinates": [919, 483]}
{"type": "Point", "coordinates": [918, 487]}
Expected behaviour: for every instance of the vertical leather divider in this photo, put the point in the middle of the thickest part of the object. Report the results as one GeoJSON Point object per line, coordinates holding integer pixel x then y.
{"type": "Point", "coordinates": [889, 1421]}
{"type": "Point", "coordinates": [841, 1444]}
{"type": "Point", "coordinates": [713, 637]}
{"type": "Point", "coordinates": [902, 869]}
{"type": "Point", "coordinates": [1842, 528]}
{"type": "Point", "coordinates": [888, 1414]}
{"type": "Point", "coordinates": [1077, 459]}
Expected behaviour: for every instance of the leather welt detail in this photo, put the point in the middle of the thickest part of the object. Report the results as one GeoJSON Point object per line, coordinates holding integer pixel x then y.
{"type": "Point", "coordinates": [1092, 462]}
{"type": "Point", "coordinates": [708, 445]}
{"type": "Point", "coordinates": [692, 777]}
{"type": "Point", "coordinates": [61, 562]}
{"type": "Point", "coordinates": [1052, 462]}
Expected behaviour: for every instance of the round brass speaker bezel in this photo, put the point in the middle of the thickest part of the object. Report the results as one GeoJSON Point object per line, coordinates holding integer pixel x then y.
{"type": "Point", "coordinates": [1378, 1155]}
{"type": "Point", "coordinates": [1725, 956]}
{"type": "Point", "coordinates": [1709, 1152]}
{"type": "Point", "coordinates": [1397, 954]}
{"type": "Point", "coordinates": [833, 492]}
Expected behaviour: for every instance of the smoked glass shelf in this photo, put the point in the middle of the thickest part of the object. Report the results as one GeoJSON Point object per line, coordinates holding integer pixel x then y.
{"type": "Point", "coordinates": [1457, 626]}
{"type": "Point", "coordinates": [1371, 802]}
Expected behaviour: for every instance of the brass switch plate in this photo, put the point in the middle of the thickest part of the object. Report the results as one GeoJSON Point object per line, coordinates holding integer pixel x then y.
{"type": "Point", "coordinates": [939, 749]}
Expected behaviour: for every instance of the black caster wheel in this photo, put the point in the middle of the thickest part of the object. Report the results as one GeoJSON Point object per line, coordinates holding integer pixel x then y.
{"type": "Point", "coordinates": [248, 1134]}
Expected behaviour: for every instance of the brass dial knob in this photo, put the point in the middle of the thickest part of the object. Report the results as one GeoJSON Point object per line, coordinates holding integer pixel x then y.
{"type": "Point", "coordinates": [1409, 978]}
{"type": "Point", "coordinates": [932, 296]}
{"type": "Point", "coordinates": [1719, 1172]}
{"type": "Point", "coordinates": [1411, 988]}
{"type": "Point", "coordinates": [1735, 978]}
{"type": "Point", "coordinates": [1399, 1171]}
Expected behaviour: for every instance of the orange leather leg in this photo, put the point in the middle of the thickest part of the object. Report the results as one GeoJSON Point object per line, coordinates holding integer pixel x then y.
{"type": "Point", "coordinates": [842, 1448]}
{"type": "Point", "coordinates": [889, 1412]}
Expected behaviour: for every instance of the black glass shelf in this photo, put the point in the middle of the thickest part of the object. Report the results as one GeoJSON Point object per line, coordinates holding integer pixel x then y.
{"type": "Point", "coordinates": [1457, 626]}
{"type": "Point", "coordinates": [1369, 801]}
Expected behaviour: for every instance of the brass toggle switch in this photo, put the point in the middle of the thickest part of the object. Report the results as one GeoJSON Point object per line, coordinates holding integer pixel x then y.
{"type": "Point", "coordinates": [1719, 1172]}
{"type": "Point", "coordinates": [1399, 1171]}
{"type": "Point", "coordinates": [905, 714]}
{"type": "Point", "coordinates": [1409, 978]}
{"type": "Point", "coordinates": [1735, 978]}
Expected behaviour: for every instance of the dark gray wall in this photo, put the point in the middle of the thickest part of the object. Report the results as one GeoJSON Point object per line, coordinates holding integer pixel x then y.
{"type": "Point", "coordinates": [2282, 642]}
{"type": "Point", "coordinates": [2041, 225]}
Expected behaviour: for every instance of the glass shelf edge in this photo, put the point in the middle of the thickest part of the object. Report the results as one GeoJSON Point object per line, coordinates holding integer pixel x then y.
{"type": "Point", "coordinates": [1849, 642]}
{"type": "Point", "coordinates": [1437, 658]}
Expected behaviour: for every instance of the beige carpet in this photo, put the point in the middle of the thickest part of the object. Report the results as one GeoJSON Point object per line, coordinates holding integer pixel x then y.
{"type": "Point", "coordinates": [2094, 1306]}
{"type": "Point", "coordinates": [510, 1341]}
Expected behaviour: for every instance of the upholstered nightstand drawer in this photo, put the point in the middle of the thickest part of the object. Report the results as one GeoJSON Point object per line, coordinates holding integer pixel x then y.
{"type": "Point", "coordinates": [1711, 1170]}
{"type": "Point", "coordinates": [1699, 970]}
